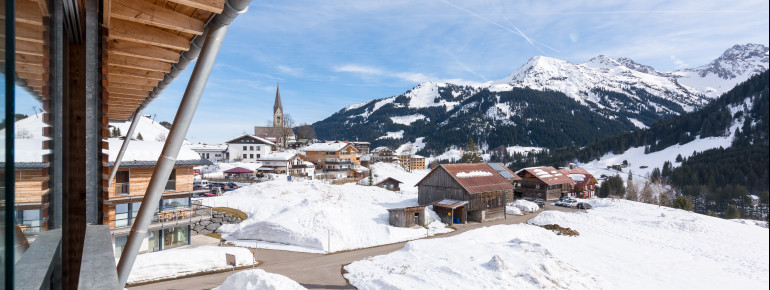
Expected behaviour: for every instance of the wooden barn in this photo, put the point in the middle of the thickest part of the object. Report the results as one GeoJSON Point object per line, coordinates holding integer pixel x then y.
{"type": "Point", "coordinates": [544, 182]}
{"type": "Point", "coordinates": [389, 183]}
{"type": "Point", "coordinates": [473, 192]}
{"type": "Point", "coordinates": [584, 183]}
{"type": "Point", "coordinates": [407, 217]}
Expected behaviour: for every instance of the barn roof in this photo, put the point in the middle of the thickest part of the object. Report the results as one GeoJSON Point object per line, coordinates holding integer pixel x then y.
{"type": "Point", "coordinates": [450, 203]}
{"type": "Point", "coordinates": [474, 177]}
{"type": "Point", "coordinates": [238, 170]}
{"type": "Point", "coordinates": [386, 179]}
{"type": "Point", "coordinates": [578, 175]}
{"type": "Point", "coordinates": [547, 174]}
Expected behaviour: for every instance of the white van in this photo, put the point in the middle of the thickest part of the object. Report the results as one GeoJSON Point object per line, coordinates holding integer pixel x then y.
{"type": "Point", "coordinates": [200, 184]}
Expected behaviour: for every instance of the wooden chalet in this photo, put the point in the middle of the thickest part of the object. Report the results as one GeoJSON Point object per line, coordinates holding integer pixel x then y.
{"type": "Point", "coordinates": [542, 182]}
{"type": "Point", "coordinates": [333, 160]}
{"type": "Point", "coordinates": [462, 192]}
{"type": "Point", "coordinates": [584, 183]}
{"type": "Point", "coordinates": [389, 183]}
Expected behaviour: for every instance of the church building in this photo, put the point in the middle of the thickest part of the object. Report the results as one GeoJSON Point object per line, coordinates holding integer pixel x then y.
{"type": "Point", "coordinates": [281, 132]}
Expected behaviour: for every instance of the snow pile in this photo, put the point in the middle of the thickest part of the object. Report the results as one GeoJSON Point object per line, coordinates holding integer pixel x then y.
{"type": "Point", "coordinates": [307, 214]}
{"type": "Point", "coordinates": [408, 119]}
{"type": "Point", "coordinates": [382, 170]}
{"type": "Point", "coordinates": [577, 177]}
{"type": "Point", "coordinates": [473, 174]}
{"type": "Point", "coordinates": [185, 261]}
{"type": "Point", "coordinates": [526, 206]}
{"type": "Point", "coordinates": [509, 209]}
{"type": "Point", "coordinates": [486, 258]}
{"type": "Point", "coordinates": [622, 245]}
{"type": "Point", "coordinates": [258, 280]}
{"type": "Point", "coordinates": [393, 135]}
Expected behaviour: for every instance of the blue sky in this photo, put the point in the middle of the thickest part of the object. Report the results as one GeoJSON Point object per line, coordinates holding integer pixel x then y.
{"type": "Point", "coordinates": [330, 54]}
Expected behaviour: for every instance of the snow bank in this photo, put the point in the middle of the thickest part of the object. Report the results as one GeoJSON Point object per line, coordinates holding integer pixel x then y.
{"type": "Point", "coordinates": [622, 245]}
{"type": "Point", "coordinates": [513, 210]}
{"type": "Point", "coordinates": [307, 214]}
{"type": "Point", "coordinates": [526, 206]}
{"type": "Point", "coordinates": [258, 280]}
{"type": "Point", "coordinates": [486, 258]}
{"type": "Point", "coordinates": [179, 262]}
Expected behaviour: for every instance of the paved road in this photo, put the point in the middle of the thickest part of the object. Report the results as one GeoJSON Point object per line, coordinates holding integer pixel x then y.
{"type": "Point", "coordinates": [319, 271]}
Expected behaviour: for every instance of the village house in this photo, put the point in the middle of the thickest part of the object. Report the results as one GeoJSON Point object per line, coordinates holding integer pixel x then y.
{"type": "Point", "coordinates": [288, 162]}
{"type": "Point", "coordinates": [215, 153]}
{"type": "Point", "coordinates": [509, 176]}
{"type": "Point", "coordinates": [333, 160]}
{"type": "Point", "coordinates": [248, 148]}
{"type": "Point", "coordinates": [389, 183]}
{"type": "Point", "coordinates": [411, 163]}
{"type": "Point", "coordinates": [584, 183]}
{"type": "Point", "coordinates": [363, 147]}
{"type": "Point", "coordinates": [544, 182]}
{"type": "Point", "coordinates": [383, 154]}
{"type": "Point", "coordinates": [170, 226]}
{"type": "Point", "coordinates": [465, 192]}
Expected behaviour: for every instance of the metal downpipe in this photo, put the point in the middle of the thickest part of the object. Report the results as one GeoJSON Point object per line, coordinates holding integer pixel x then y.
{"type": "Point", "coordinates": [215, 34]}
{"type": "Point", "coordinates": [129, 135]}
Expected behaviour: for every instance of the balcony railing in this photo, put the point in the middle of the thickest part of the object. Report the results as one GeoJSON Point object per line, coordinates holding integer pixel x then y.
{"type": "Point", "coordinates": [122, 188]}
{"type": "Point", "coordinates": [167, 218]}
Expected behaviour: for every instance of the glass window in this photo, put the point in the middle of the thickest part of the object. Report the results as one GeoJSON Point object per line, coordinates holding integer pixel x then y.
{"type": "Point", "coordinates": [244, 147]}
{"type": "Point", "coordinates": [251, 148]}
{"type": "Point", "coordinates": [171, 184]}
{"type": "Point", "coordinates": [259, 148]}
{"type": "Point", "coordinates": [175, 203]}
{"type": "Point", "coordinates": [121, 215]}
{"type": "Point", "coordinates": [135, 210]}
{"type": "Point", "coordinates": [153, 241]}
{"type": "Point", "coordinates": [176, 237]}
{"type": "Point", "coordinates": [120, 243]}
{"type": "Point", "coordinates": [251, 156]}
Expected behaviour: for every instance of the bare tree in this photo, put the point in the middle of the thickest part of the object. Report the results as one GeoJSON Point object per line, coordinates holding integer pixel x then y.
{"type": "Point", "coordinates": [287, 129]}
{"type": "Point", "coordinates": [305, 131]}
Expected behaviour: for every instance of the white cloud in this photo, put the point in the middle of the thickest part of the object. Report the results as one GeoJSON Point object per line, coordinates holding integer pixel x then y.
{"type": "Point", "coordinates": [678, 62]}
{"type": "Point", "coordinates": [354, 68]}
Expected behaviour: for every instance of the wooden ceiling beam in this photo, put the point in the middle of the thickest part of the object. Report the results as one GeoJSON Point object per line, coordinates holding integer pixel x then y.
{"type": "Point", "coordinates": [113, 78]}
{"type": "Point", "coordinates": [127, 48]}
{"type": "Point", "coordinates": [131, 31]}
{"type": "Point", "coordinates": [129, 86]}
{"type": "Point", "coordinates": [31, 59]}
{"type": "Point", "coordinates": [130, 92]}
{"type": "Point", "coordinates": [31, 48]}
{"type": "Point", "coordinates": [28, 32]}
{"type": "Point", "coordinates": [26, 68]}
{"type": "Point", "coordinates": [138, 63]}
{"type": "Point", "coordinates": [32, 76]}
{"type": "Point", "coordinates": [155, 15]}
{"type": "Point", "coordinates": [136, 72]}
{"type": "Point", "coordinates": [215, 6]}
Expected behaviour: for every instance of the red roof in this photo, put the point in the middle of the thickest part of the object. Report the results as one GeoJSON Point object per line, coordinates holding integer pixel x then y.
{"type": "Point", "coordinates": [577, 171]}
{"type": "Point", "coordinates": [473, 181]}
{"type": "Point", "coordinates": [238, 170]}
{"type": "Point", "coordinates": [548, 175]}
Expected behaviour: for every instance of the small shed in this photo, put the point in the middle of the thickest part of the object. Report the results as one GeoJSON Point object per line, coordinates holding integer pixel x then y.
{"type": "Point", "coordinates": [238, 172]}
{"type": "Point", "coordinates": [389, 183]}
{"type": "Point", "coordinates": [407, 217]}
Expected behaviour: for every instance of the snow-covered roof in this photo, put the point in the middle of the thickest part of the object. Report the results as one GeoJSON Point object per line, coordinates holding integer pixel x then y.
{"type": "Point", "coordinates": [262, 140]}
{"type": "Point", "coordinates": [327, 147]}
{"type": "Point", "coordinates": [279, 156]}
{"type": "Point", "coordinates": [547, 174]}
{"type": "Point", "coordinates": [202, 147]}
{"type": "Point", "coordinates": [148, 151]}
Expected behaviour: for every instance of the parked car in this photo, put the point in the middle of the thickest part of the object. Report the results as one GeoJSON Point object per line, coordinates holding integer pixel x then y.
{"type": "Point", "coordinates": [572, 203]}
{"type": "Point", "coordinates": [584, 205]}
{"type": "Point", "coordinates": [232, 185]}
{"type": "Point", "coordinates": [204, 194]}
{"type": "Point", "coordinates": [200, 184]}
{"type": "Point", "coordinates": [559, 202]}
{"type": "Point", "coordinates": [540, 202]}
{"type": "Point", "coordinates": [222, 187]}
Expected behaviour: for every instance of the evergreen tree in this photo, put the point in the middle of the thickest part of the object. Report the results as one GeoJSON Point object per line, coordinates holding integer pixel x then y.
{"type": "Point", "coordinates": [471, 154]}
{"type": "Point", "coordinates": [655, 178]}
{"type": "Point", "coordinates": [732, 212]}
{"type": "Point", "coordinates": [683, 202]}
{"type": "Point", "coordinates": [139, 137]}
{"type": "Point", "coordinates": [371, 179]}
{"type": "Point", "coordinates": [678, 158]}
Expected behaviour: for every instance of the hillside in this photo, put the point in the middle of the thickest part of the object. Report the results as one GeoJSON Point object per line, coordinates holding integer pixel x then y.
{"type": "Point", "coordinates": [612, 95]}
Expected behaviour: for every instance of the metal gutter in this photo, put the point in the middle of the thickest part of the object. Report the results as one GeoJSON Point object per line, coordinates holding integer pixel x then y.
{"type": "Point", "coordinates": [211, 41]}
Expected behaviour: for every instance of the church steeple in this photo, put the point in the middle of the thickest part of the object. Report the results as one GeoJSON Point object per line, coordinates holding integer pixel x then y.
{"type": "Point", "coordinates": [277, 109]}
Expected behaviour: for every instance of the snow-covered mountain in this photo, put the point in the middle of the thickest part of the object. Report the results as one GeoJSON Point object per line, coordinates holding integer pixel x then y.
{"type": "Point", "coordinates": [621, 93]}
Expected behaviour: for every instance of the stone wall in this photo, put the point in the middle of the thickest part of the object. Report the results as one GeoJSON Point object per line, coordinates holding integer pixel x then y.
{"type": "Point", "coordinates": [210, 226]}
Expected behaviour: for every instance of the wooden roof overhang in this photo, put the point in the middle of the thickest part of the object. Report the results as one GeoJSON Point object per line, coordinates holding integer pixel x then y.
{"type": "Point", "coordinates": [141, 41]}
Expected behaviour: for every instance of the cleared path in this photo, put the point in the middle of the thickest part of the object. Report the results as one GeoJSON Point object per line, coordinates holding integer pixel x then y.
{"type": "Point", "coordinates": [319, 271]}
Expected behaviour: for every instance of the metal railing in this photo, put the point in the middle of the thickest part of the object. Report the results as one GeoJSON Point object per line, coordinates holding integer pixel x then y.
{"type": "Point", "coordinates": [167, 218]}
{"type": "Point", "coordinates": [122, 188]}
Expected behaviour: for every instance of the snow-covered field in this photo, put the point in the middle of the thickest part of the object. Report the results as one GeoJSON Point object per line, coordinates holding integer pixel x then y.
{"type": "Point", "coordinates": [306, 215]}
{"type": "Point", "coordinates": [184, 261]}
{"type": "Point", "coordinates": [382, 170]}
{"type": "Point", "coordinates": [258, 280]}
{"type": "Point", "coordinates": [622, 245]}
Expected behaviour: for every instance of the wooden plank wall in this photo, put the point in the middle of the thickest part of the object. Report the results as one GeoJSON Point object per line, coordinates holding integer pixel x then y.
{"type": "Point", "coordinates": [437, 186]}
{"type": "Point", "coordinates": [31, 184]}
{"type": "Point", "coordinates": [139, 180]}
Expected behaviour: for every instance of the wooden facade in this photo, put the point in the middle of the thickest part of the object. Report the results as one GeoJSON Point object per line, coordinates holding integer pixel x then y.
{"type": "Point", "coordinates": [389, 183]}
{"type": "Point", "coordinates": [407, 217]}
{"type": "Point", "coordinates": [534, 188]}
{"type": "Point", "coordinates": [440, 184]}
{"type": "Point", "coordinates": [344, 160]}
